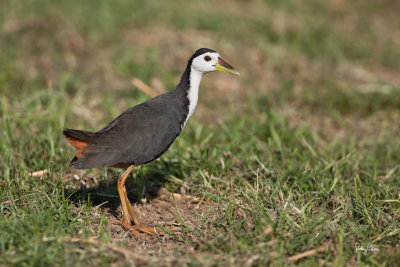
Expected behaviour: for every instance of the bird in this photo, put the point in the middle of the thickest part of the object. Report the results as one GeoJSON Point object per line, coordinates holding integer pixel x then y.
{"type": "Point", "coordinates": [144, 132]}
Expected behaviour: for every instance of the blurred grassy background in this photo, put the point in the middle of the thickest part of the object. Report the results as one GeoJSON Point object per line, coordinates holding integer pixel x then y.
{"type": "Point", "coordinates": [308, 135]}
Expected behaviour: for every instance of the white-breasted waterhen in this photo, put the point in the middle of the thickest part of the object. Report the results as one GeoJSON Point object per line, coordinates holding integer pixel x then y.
{"type": "Point", "coordinates": [144, 132]}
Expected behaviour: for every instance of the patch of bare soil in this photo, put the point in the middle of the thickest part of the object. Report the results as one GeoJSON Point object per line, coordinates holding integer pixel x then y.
{"type": "Point", "coordinates": [155, 207]}
{"type": "Point", "coordinates": [165, 210]}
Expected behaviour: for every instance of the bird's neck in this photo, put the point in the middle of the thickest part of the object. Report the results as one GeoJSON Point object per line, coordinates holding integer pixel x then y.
{"type": "Point", "coordinates": [193, 92]}
{"type": "Point", "coordinates": [189, 87]}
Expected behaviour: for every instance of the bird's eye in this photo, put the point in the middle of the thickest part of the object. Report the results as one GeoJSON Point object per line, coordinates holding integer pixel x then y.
{"type": "Point", "coordinates": [207, 58]}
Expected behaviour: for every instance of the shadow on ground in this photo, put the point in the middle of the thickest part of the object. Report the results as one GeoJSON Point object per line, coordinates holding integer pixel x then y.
{"type": "Point", "coordinates": [142, 187]}
{"type": "Point", "coordinates": [152, 202]}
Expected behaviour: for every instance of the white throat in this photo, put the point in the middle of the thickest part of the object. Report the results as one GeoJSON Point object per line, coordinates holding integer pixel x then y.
{"type": "Point", "coordinates": [193, 92]}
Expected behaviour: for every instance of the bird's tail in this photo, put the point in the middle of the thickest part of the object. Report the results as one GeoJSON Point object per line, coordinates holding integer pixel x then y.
{"type": "Point", "coordinates": [78, 139]}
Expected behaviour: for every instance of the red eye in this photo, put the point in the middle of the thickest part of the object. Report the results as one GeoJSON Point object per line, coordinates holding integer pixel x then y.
{"type": "Point", "coordinates": [207, 58]}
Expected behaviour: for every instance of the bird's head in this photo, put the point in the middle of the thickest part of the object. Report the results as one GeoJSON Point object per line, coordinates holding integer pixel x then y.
{"type": "Point", "coordinates": [206, 60]}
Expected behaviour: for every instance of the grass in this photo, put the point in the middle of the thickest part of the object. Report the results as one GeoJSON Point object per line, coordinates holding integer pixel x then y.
{"type": "Point", "coordinates": [300, 153]}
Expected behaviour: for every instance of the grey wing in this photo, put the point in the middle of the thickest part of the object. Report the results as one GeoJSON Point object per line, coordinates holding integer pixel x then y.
{"type": "Point", "coordinates": [139, 135]}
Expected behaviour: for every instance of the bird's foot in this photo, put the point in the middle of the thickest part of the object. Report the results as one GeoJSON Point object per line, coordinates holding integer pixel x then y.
{"type": "Point", "coordinates": [136, 229]}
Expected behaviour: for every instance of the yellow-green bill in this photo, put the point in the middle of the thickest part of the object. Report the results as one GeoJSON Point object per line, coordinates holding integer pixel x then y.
{"type": "Point", "coordinates": [223, 66]}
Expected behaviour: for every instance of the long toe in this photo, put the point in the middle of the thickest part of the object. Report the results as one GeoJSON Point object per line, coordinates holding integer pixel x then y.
{"type": "Point", "coordinates": [147, 230]}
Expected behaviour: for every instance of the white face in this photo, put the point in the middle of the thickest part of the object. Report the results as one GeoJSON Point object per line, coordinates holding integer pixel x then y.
{"type": "Point", "coordinates": [206, 62]}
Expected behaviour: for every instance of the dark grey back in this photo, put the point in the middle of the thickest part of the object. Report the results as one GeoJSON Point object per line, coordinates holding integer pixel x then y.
{"type": "Point", "coordinates": [142, 133]}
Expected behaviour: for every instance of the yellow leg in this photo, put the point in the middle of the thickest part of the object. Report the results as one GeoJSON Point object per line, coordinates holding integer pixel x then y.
{"type": "Point", "coordinates": [127, 211]}
{"type": "Point", "coordinates": [137, 225]}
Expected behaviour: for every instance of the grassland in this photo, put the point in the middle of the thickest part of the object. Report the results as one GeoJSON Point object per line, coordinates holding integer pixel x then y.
{"type": "Point", "coordinates": [302, 153]}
